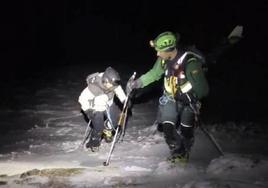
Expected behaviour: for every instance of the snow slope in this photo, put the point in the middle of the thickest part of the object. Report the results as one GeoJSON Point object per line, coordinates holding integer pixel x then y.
{"type": "Point", "coordinates": [57, 128]}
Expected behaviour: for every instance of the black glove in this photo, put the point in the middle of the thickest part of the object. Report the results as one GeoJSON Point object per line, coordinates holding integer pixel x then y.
{"type": "Point", "coordinates": [186, 98]}
{"type": "Point", "coordinates": [133, 84]}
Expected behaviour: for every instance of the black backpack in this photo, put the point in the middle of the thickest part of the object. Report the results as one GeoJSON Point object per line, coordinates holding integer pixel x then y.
{"type": "Point", "coordinates": [192, 51]}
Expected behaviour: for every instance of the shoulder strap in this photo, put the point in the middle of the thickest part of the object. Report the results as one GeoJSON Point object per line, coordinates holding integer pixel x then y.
{"type": "Point", "coordinates": [188, 55]}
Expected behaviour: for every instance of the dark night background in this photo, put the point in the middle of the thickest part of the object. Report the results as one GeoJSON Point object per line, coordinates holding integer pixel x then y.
{"type": "Point", "coordinates": [39, 37]}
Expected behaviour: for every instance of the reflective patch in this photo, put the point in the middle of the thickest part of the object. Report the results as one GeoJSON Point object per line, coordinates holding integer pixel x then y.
{"type": "Point", "coordinates": [180, 60]}
{"type": "Point", "coordinates": [170, 122]}
{"type": "Point", "coordinates": [184, 125]}
{"type": "Point", "coordinates": [186, 87]}
{"type": "Point", "coordinates": [195, 71]}
{"type": "Point", "coordinates": [182, 75]}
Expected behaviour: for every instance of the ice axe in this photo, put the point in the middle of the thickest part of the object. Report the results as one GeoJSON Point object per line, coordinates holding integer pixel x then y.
{"type": "Point", "coordinates": [120, 125]}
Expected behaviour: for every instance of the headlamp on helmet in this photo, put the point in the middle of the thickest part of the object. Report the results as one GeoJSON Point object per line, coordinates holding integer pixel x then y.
{"type": "Point", "coordinates": [164, 42]}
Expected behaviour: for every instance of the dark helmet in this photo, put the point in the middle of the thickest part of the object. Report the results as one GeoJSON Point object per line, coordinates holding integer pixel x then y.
{"type": "Point", "coordinates": [110, 75]}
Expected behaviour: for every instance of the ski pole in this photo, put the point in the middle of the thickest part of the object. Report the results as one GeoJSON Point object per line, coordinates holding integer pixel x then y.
{"type": "Point", "coordinates": [109, 118]}
{"type": "Point", "coordinates": [121, 123]}
{"type": "Point", "coordinates": [212, 139]}
{"type": "Point", "coordinates": [87, 133]}
{"type": "Point", "coordinates": [106, 163]}
{"type": "Point", "coordinates": [124, 126]}
{"type": "Point", "coordinates": [125, 111]}
{"type": "Point", "coordinates": [205, 131]}
{"type": "Point", "coordinates": [122, 119]}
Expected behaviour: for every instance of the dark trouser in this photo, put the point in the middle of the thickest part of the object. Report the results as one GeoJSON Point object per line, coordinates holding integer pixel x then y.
{"type": "Point", "coordinates": [177, 121]}
{"type": "Point", "coordinates": [98, 118]}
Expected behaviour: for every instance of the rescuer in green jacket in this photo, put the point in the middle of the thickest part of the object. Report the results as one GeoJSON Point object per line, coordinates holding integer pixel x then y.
{"type": "Point", "coordinates": [185, 85]}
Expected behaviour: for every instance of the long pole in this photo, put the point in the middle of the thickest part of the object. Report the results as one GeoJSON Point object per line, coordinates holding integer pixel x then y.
{"type": "Point", "coordinates": [121, 120]}
{"type": "Point", "coordinates": [121, 123]}
{"type": "Point", "coordinates": [210, 136]}
{"type": "Point", "coordinates": [107, 162]}
{"type": "Point", "coordinates": [212, 139]}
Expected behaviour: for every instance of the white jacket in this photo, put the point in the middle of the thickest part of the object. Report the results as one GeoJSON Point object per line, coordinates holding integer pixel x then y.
{"type": "Point", "coordinates": [99, 103]}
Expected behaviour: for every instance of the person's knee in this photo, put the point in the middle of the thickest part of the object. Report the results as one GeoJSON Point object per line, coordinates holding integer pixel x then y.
{"type": "Point", "coordinates": [164, 126]}
{"type": "Point", "coordinates": [168, 127]}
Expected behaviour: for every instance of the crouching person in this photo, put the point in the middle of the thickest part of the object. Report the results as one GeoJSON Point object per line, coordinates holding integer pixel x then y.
{"type": "Point", "coordinates": [98, 106]}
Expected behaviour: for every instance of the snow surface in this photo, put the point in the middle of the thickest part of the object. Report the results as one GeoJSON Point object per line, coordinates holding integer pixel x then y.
{"type": "Point", "coordinates": [57, 129]}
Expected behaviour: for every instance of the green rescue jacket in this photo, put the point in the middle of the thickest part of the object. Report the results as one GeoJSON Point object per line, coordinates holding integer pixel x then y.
{"type": "Point", "coordinates": [193, 73]}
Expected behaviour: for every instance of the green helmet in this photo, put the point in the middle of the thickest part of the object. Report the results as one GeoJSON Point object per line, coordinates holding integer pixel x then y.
{"type": "Point", "coordinates": [164, 41]}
